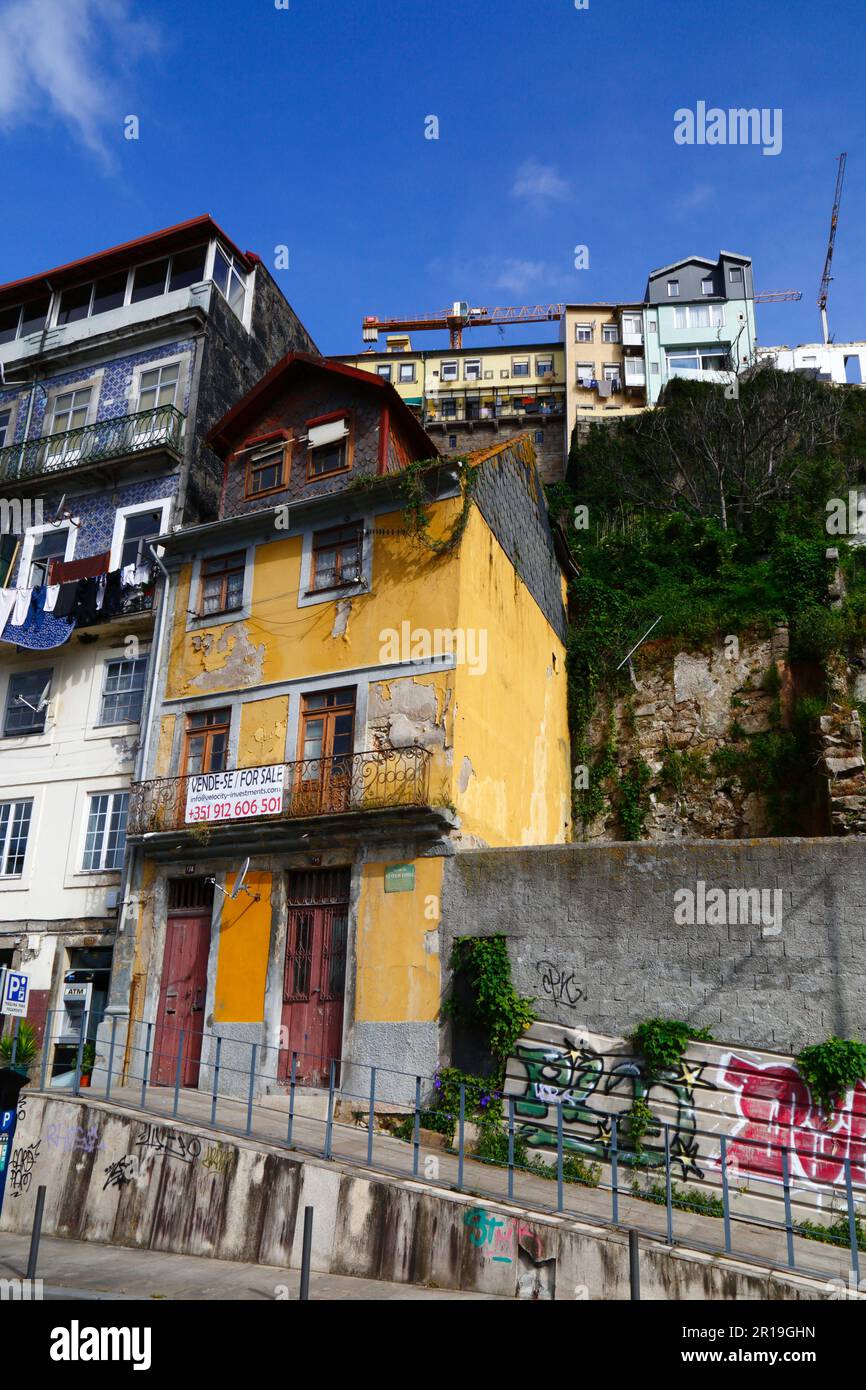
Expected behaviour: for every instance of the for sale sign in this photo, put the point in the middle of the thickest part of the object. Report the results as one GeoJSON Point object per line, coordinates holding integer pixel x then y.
{"type": "Point", "coordinates": [237, 795]}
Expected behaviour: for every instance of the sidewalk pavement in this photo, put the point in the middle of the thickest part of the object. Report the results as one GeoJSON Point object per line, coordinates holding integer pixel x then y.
{"type": "Point", "coordinates": [73, 1269]}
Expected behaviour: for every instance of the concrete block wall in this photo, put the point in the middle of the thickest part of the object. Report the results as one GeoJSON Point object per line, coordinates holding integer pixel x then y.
{"type": "Point", "coordinates": [593, 937]}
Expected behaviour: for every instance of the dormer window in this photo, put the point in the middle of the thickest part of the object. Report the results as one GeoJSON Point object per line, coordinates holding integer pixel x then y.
{"type": "Point", "coordinates": [266, 470]}
{"type": "Point", "coordinates": [327, 446]}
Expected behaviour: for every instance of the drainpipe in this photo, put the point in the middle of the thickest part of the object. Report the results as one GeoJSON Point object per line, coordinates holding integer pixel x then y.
{"type": "Point", "coordinates": [39, 353]}
{"type": "Point", "coordinates": [117, 1007]}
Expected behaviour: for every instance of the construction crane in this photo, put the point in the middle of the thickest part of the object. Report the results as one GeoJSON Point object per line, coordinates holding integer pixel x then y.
{"type": "Point", "coordinates": [777, 296]}
{"type": "Point", "coordinates": [461, 316]}
{"type": "Point", "coordinates": [834, 221]}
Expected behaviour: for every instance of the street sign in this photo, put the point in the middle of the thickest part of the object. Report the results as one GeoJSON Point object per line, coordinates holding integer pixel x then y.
{"type": "Point", "coordinates": [399, 878]}
{"type": "Point", "coordinates": [14, 996]}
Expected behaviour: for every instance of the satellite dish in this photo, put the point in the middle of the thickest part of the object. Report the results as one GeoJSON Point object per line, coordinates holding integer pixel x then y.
{"type": "Point", "coordinates": [42, 702]}
{"type": "Point", "coordinates": [239, 884]}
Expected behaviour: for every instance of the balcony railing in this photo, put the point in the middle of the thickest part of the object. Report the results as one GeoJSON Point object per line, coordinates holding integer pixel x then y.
{"type": "Point", "coordinates": [379, 781]}
{"type": "Point", "coordinates": [532, 403]}
{"type": "Point", "coordinates": [99, 441]}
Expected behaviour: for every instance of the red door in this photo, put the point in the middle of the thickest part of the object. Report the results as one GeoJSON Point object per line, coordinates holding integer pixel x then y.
{"type": "Point", "coordinates": [315, 973]}
{"type": "Point", "coordinates": [181, 999]}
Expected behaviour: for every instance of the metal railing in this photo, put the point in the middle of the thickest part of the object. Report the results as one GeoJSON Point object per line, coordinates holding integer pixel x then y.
{"type": "Point", "coordinates": [340, 1109]}
{"type": "Point", "coordinates": [103, 439]}
{"type": "Point", "coordinates": [543, 404]}
{"type": "Point", "coordinates": [373, 781]}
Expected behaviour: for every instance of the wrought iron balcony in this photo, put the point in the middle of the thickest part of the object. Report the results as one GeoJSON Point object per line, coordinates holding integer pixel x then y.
{"type": "Point", "coordinates": [377, 781]}
{"type": "Point", "coordinates": [98, 442]}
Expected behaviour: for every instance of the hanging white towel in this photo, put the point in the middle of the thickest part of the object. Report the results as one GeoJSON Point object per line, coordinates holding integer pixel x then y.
{"type": "Point", "coordinates": [7, 600]}
{"type": "Point", "coordinates": [51, 592]}
{"type": "Point", "coordinates": [22, 606]}
{"type": "Point", "coordinates": [127, 575]}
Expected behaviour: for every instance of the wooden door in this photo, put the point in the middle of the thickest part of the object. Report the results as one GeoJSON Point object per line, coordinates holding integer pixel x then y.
{"type": "Point", "coordinates": [181, 999]}
{"type": "Point", "coordinates": [315, 973]}
{"type": "Point", "coordinates": [323, 785]}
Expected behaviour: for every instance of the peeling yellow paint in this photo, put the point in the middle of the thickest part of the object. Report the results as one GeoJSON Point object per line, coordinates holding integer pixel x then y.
{"type": "Point", "coordinates": [398, 974]}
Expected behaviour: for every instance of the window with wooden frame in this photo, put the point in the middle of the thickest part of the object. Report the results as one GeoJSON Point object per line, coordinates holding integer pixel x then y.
{"type": "Point", "coordinates": [207, 741]}
{"type": "Point", "coordinates": [222, 583]}
{"type": "Point", "coordinates": [328, 446]}
{"type": "Point", "coordinates": [266, 470]}
{"type": "Point", "coordinates": [337, 557]}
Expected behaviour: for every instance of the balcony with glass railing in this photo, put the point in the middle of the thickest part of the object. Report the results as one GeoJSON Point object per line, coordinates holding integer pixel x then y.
{"type": "Point", "coordinates": [99, 442]}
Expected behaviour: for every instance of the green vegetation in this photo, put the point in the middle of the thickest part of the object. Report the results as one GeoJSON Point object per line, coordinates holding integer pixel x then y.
{"type": "Point", "coordinates": [26, 1051]}
{"type": "Point", "coordinates": [830, 1069]}
{"type": "Point", "coordinates": [496, 1007]}
{"type": "Point", "coordinates": [683, 1198]}
{"type": "Point", "coordinates": [711, 516]}
{"type": "Point", "coordinates": [662, 1043]}
{"type": "Point", "coordinates": [837, 1234]}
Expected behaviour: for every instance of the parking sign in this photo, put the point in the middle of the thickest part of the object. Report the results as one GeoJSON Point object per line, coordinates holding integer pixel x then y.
{"type": "Point", "coordinates": [14, 996]}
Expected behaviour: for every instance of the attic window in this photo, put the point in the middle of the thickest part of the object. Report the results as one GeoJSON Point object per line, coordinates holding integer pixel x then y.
{"type": "Point", "coordinates": [327, 447]}
{"type": "Point", "coordinates": [266, 470]}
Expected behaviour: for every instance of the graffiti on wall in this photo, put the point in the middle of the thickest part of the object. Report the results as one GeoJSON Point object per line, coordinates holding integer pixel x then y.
{"type": "Point", "coordinates": [497, 1237]}
{"type": "Point", "coordinates": [758, 1101]}
{"type": "Point", "coordinates": [593, 1092]}
{"type": "Point", "coordinates": [775, 1108]}
{"type": "Point", "coordinates": [21, 1167]}
{"type": "Point", "coordinates": [559, 984]}
{"type": "Point", "coordinates": [154, 1139]}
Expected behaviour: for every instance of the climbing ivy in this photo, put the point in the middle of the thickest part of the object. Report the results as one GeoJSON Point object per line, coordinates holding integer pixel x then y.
{"type": "Point", "coordinates": [496, 1007]}
{"type": "Point", "coordinates": [634, 798]}
{"type": "Point", "coordinates": [831, 1068]}
{"type": "Point", "coordinates": [415, 504]}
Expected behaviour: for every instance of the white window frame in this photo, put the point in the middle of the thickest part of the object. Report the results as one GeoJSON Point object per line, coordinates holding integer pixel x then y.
{"type": "Point", "coordinates": [181, 359]}
{"type": "Point", "coordinates": [120, 524]}
{"type": "Point", "coordinates": [704, 283]}
{"type": "Point", "coordinates": [445, 372]}
{"type": "Point", "coordinates": [584, 333]}
{"type": "Point", "coordinates": [89, 795]}
{"type": "Point", "coordinates": [469, 365]}
{"type": "Point", "coordinates": [520, 362]}
{"type": "Point", "coordinates": [673, 289]}
{"type": "Point", "coordinates": [35, 533]}
{"type": "Point", "coordinates": [4, 845]}
{"type": "Point", "coordinates": [120, 659]}
{"type": "Point", "coordinates": [607, 329]}
{"type": "Point", "coordinates": [92, 384]}
{"type": "Point", "coordinates": [12, 407]}
{"type": "Point", "coordinates": [578, 373]}
{"type": "Point", "coordinates": [544, 365]}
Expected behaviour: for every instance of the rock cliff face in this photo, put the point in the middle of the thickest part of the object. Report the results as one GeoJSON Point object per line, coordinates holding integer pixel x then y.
{"type": "Point", "coordinates": [842, 756]}
{"type": "Point", "coordinates": [689, 718]}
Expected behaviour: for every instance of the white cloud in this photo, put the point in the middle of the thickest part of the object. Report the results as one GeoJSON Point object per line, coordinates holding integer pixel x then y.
{"type": "Point", "coordinates": [59, 60]}
{"type": "Point", "coordinates": [519, 276]}
{"type": "Point", "coordinates": [696, 197]}
{"type": "Point", "coordinates": [479, 277]}
{"type": "Point", "coordinates": [540, 184]}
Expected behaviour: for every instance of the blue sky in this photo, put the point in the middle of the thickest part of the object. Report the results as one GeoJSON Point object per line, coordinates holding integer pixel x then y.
{"type": "Point", "coordinates": [305, 127]}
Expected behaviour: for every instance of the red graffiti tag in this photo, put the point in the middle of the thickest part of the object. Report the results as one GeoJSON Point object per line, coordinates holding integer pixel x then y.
{"type": "Point", "coordinates": [776, 1109]}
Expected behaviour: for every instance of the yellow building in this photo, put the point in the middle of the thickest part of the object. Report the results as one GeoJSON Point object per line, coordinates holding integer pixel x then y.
{"type": "Point", "coordinates": [467, 398]}
{"type": "Point", "coordinates": [364, 672]}
{"type": "Point", "coordinates": [605, 367]}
